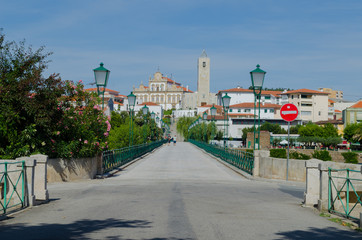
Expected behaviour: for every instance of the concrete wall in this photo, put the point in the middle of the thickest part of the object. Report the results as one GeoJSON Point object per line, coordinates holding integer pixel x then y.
{"type": "Point", "coordinates": [64, 170]}
{"type": "Point", "coordinates": [276, 168]}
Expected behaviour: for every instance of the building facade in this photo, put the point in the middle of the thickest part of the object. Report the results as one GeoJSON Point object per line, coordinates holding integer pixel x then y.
{"type": "Point", "coordinates": [312, 105]}
{"type": "Point", "coordinates": [161, 90]}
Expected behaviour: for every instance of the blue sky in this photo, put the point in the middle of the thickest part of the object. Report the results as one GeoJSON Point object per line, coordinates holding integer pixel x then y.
{"type": "Point", "coordinates": [301, 44]}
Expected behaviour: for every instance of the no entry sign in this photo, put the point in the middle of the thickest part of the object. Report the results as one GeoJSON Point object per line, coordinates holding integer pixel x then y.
{"type": "Point", "coordinates": [289, 112]}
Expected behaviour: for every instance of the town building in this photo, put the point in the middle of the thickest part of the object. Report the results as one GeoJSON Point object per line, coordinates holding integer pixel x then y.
{"type": "Point", "coordinates": [202, 96]}
{"type": "Point", "coordinates": [332, 94]}
{"type": "Point", "coordinates": [353, 114]}
{"type": "Point", "coordinates": [161, 90]}
{"type": "Point", "coordinates": [312, 105]}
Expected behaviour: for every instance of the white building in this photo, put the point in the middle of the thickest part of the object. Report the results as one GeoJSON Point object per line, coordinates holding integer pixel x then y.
{"type": "Point", "coordinates": [241, 95]}
{"type": "Point", "coordinates": [312, 105]}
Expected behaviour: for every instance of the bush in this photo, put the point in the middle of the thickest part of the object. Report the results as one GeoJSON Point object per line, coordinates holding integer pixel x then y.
{"type": "Point", "coordinates": [297, 155]}
{"type": "Point", "coordinates": [350, 157]}
{"type": "Point", "coordinates": [322, 155]}
{"type": "Point", "coordinates": [249, 151]}
{"type": "Point", "coordinates": [278, 153]}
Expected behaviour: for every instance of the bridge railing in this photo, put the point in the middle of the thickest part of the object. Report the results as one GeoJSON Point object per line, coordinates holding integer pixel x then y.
{"type": "Point", "coordinates": [345, 192]}
{"type": "Point", "coordinates": [112, 159]}
{"type": "Point", "coordinates": [12, 186]}
{"type": "Point", "coordinates": [238, 158]}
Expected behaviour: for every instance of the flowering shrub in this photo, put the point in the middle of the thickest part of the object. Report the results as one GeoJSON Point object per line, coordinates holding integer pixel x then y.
{"type": "Point", "coordinates": [83, 129]}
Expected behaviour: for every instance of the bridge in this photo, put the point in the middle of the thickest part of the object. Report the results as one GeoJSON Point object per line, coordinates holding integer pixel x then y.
{"type": "Point", "coordinates": [176, 192]}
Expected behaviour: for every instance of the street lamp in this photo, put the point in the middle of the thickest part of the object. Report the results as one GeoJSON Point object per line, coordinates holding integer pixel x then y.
{"type": "Point", "coordinates": [131, 103]}
{"type": "Point", "coordinates": [101, 75]}
{"type": "Point", "coordinates": [153, 115]}
{"type": "Point", "coordinates": [145, 112]}
{"type": "Point", "coordinates": [257, 80]}
{"type": "Point", "coordinates": [204, 116]}
{"type": "Point", "coordinates": [225, 102]}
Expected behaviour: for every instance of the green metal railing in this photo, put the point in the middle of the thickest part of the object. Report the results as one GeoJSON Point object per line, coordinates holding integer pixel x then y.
{"type": "Point", "coordinates": [11, 194]}
{"type": "Point", "coordinates": [238, 158]}
{"type": "Point", "coordinates": [342, 194]}
{"type": "Point", "coordinates": [118, 157]}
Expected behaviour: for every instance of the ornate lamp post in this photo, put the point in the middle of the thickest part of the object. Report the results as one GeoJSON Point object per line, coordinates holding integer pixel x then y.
{"type": "Point", "coordinates": [153, 115]}
{"type": "Point", "coordinates": [145, 112]}
{"type": "Point", "coordinates": [225, 102]}
{"type": "Point", "coordinates": [131, 103]}
{"type": "Point", "coordinates": [257, 81]}
{"type": "Point", "coordinates": [101, 75]}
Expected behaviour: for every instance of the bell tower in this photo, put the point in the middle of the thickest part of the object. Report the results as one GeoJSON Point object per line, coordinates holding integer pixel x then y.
{"type": "Point", "coordinates": [203, 79]}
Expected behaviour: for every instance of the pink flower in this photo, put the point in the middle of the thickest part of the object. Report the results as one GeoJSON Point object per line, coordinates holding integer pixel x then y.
{"type": "Point", "coordinates": [80, 140]}
{"type": "Point", "coordinates": [85, 141]}
{"type": "Point", "coordinates": [58, 133]}
{"type": "Point", "coordinates": [106, 134]}
{"type": "Point", "coordinates": [80, 81]}
{"type": "Point", "coordinates": [52, 140]}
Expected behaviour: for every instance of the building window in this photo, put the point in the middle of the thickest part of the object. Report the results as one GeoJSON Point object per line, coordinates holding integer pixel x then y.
{"type": "Point", "coordinates": [292, 96]}
{"type": "Point", "coordinates": [247, 110]}
{"type": "Point", "coordinates": [267, 97]}
{"type": "Point", "coordinates": [265, 110]}
{"type": "Point", "coordinates": [319, 113]}
{"type": "Point", "coordinates": [169, 99]}
{"type": "Point", "coordinates": [161, 99]}
{"type": "Point", "coordinates": [204, 64]}
{"type": "Point", "coordinates": [272, 110]}
{"type": "Point", "coordinates": [230, 110]}
{"type": "Point", "coordinates": [239, 110]}
{"type": "Point", "coordinates": [306, 113]}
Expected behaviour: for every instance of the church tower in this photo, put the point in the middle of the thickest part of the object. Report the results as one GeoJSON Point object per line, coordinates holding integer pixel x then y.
{"type": "Point", "coordinates": [203, 79]}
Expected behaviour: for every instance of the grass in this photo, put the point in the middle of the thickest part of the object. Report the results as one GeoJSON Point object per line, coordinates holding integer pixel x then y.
{"type": "Point", "coordinates": [340, 221]}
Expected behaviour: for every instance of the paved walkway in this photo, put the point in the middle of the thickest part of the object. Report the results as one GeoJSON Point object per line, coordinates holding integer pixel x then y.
{"type": "Point", "coordinates": [175, 193]}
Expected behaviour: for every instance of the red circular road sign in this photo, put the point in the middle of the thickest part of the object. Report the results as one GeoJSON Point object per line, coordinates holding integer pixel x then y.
{"type": "Point", "coordinates": [289, 112]}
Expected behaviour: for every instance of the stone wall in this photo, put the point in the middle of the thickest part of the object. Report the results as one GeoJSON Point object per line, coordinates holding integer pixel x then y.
{"type": "Point", "coordinates": [64, 170]}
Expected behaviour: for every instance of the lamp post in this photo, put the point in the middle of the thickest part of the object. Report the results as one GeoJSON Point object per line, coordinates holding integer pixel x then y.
{"type": "Point", "coordinates": [101, 75]}
{"type": "Point", "coordinates": [257, 80]}
{"type": "Point", "coordinates": [153, 115]}
{"type": "Point", "coordinates": [145, 112]}
{"type": "Point", "coordinates": [225, 102]}
{"type": "Point", "coordinates": [131, 103]}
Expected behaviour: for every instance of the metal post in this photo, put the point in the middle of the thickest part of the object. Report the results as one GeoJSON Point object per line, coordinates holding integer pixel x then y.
{"type": "Point", "coordinates": [259, 123]}
{"type": "Point", "coordinates": [131, 128]}
{"type": "Point", "coordinates": [103, 100]}
{"type": "Point", "coordinates": [144, 130]}
{"type": "Point", "coordinates": [254, 118]}
{"type": "Point", "coordinates": [288, 152]}
{"type": "Point", "coordinates": [224, 127]}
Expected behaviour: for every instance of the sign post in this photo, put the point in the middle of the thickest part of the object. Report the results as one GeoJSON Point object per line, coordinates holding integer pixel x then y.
{"type": "Point", "coordinates": [289, 112]}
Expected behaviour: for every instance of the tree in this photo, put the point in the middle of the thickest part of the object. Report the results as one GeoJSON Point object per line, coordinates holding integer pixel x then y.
{"type": "Point", "coordinates": [45, 115]}
{"type": "Point", "coordinates": [352, 132]}
{"type": "Point", "coordinates": [28, 101]}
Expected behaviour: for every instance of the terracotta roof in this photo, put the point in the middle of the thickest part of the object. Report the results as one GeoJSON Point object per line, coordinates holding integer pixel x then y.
{"type": "Point", "coordinates": [240, 114]}
{"type": "Point", "coordinates": [357, 105]}
{"type": "Point", "coordinates": [337, 111]}
{"type": "Point", "coordinates": [238, 89]}
{"type": "Point", "coordinates": [251, 105]}
{"type": "Point", "coordinates": [304, 90]}
{"type": "Point", "coordinates": [185, 89]}
{"type": "Point", "coordinates": [217, 117]}
{"type": "Point", "coordinates": [210, 106]}
{"type": "Point", "coordinates": [121, 96]}
{"type": "Point", "coordinates": [171, 81]}
{"type": "Point", "coordinates": [329, 121]}
{"type": "Point", "coordinates": [331, 101]}
{"type": "Point", "coordinates": [148, 104]}
{"type": "Point", "coordinates": [95, 90]}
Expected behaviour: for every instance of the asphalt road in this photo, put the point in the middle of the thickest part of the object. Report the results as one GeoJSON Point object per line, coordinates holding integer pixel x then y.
{"type": "Point", "coordinates": [178, 192]}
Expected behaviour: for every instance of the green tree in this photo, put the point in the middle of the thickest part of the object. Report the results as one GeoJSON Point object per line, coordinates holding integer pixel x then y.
{"type": "Point", "coordinates": [352, 132]}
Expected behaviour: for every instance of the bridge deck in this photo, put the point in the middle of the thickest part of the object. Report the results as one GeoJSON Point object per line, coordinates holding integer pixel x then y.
{"type": "Point", "coordinates": [178, 192]}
